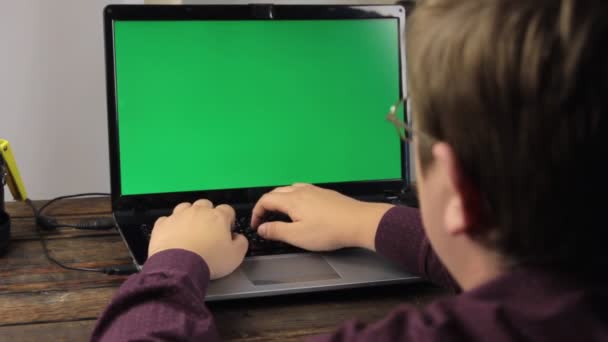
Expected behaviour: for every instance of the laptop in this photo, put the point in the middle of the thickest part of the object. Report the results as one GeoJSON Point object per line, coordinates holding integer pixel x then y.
{"type": "Point", "coordinates": [227, 102]}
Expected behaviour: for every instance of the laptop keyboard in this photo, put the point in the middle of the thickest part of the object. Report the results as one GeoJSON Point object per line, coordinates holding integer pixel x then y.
{"type": "Point", "coordinates": [257, 245]}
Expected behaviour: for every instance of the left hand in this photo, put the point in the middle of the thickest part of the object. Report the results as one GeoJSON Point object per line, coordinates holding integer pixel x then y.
{"type": "Point", "coordinates": [205, 230]}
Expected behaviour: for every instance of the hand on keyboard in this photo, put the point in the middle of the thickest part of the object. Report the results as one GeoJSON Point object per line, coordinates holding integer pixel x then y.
{"type": "Point", "coordinates": [205, 230]}
{"type": "Point", "coordinates": [323, 219]}
{"type": "Point", "coordinates": [257, 244]}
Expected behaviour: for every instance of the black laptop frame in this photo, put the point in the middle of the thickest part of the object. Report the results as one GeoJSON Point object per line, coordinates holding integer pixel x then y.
{"type": "Point", "coordinates": [164, 201]}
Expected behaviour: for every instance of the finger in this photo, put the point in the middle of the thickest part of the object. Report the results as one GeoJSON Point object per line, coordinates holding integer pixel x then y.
{"type": "Point", "coordinates": [302, 185]}
{"type": "Point", "coordinates": [160, 220]}
{"type": "Point", "coordinates": [280, 231]}
{"type": "Point", "coordinates": [205, 203]}
{"type": "Point", "coordinates": [272, 201]}
{"type": "Point", "coordinates": [241, 244]}
{"type": "Point", "coordinates": [181, 207]}
{"type": "Point", "coordinates": [228, 212]}
{"type": "Point", "coordinates": [283, 189]}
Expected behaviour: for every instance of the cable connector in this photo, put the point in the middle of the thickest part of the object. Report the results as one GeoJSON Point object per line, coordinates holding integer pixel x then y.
{"type": "Point", "coordinates": [46, 222]}
{"type": "Point", "coordinates": [97, 223]}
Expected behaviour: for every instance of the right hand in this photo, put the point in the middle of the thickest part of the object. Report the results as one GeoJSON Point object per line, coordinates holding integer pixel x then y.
{"type": "Point", "coordinates": [323, 220]}
{"type": "Point", "coordinates": [202, 229]}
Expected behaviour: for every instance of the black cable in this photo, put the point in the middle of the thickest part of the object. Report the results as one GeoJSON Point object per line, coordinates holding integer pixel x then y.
{"type": "Point", "coordinates": [45, 248]}
{"type": "Point", "coordinates": [48, 222]}
{"type": "Point", "coordinates": [88, 194]}
{"type": "Point", "coordinates": [113, 270]}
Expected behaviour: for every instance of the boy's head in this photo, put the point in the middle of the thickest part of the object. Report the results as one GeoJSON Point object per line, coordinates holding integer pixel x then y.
{"type": "Point", "coordinates": [515, 92]}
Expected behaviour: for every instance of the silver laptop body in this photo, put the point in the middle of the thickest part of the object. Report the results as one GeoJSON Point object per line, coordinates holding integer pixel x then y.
{"type": "Point", "coordinates": [136, 203]}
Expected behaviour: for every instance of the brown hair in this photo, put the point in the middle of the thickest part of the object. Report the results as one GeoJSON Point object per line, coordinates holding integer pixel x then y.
{"type": "Point", "coordinates": [519, 89]}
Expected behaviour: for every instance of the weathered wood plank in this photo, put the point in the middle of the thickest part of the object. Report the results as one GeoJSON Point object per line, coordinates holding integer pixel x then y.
{"type": "Point", "coordinates": [51, 278]}
{"type": "Point", "coordinates": [53, 306]}
{"type": "Point", "coordinates": [28, 253]}
{"type": "Point", "coordinates": [246, 320]}
{"type": "Point", "coordinates": [294, 316]}
{"type": "Point", "coordinates": [60, 331]}
{"type": "Point", "coordinates": [81, 331]}
{"type": "Point", "coordinates": [25, 268]}
{"type": "Point", "coordinates": [87, 206]}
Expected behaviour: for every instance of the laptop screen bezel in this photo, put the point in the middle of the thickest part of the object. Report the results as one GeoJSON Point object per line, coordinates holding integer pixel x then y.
{"type": "Point", "coordinates": [114, 13]}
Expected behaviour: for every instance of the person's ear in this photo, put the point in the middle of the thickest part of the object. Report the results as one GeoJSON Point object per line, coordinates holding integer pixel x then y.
{"type": "Point", "coordinates": [461, 213]}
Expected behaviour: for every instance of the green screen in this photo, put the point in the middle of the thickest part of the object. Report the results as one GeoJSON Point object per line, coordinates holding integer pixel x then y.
{"type": "Point", "coordinates": [206, 105]}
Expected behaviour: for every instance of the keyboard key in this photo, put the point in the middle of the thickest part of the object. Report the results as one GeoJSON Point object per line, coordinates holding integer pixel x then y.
{"type": "Point", "coordinates": [257, 244]}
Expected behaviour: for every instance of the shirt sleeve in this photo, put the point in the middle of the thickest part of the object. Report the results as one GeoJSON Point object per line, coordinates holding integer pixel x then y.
{"type": "Point", "coordinates": [400, 237]}
{"type": "Point", "coordinates": [165, 301]}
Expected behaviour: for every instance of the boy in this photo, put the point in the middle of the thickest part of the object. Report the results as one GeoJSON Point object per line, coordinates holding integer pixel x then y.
{"type": "Point", "coordinates": [508, 97]}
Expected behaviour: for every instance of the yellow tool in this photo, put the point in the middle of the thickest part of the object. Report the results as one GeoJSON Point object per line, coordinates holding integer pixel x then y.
{"type": "Point", "coordinates": [13, 178]}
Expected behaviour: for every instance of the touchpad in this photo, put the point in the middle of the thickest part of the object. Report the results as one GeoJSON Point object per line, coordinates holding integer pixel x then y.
{"type": "Point", "coordinates": [288, 269]}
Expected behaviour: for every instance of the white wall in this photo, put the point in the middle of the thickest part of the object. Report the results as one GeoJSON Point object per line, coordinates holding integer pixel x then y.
{"type": "Point", "coordinates": [52, 92]}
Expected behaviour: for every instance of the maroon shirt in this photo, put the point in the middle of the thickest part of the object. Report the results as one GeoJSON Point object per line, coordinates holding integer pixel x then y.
{"type": "Point", "coordinates": [166, 301]}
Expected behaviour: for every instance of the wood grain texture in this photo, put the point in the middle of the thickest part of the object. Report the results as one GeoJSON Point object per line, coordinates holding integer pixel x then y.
{"type": "Point", "coordinates": [57, 331]}
{"type": "Point", "coordinates": [83, 206]}
{"type": "Point", "coordinates": [40, 301]}
{"type": "Point", "coordinates": [275, 318]}
{"type": "Point", "coordinates": [39, 307]}
{"type": "Point", "coordinates": [72, 251]}
{"type": "Point", "coordinates": [293, 316]}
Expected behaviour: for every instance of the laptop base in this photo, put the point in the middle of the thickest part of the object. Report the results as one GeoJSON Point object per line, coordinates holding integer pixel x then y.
{"type": "Point", "coordinates": [307, 272]}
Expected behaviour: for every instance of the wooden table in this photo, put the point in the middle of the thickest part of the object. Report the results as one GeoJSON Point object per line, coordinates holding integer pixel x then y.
{"type": "Point", "coordinates": [42, 302]}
